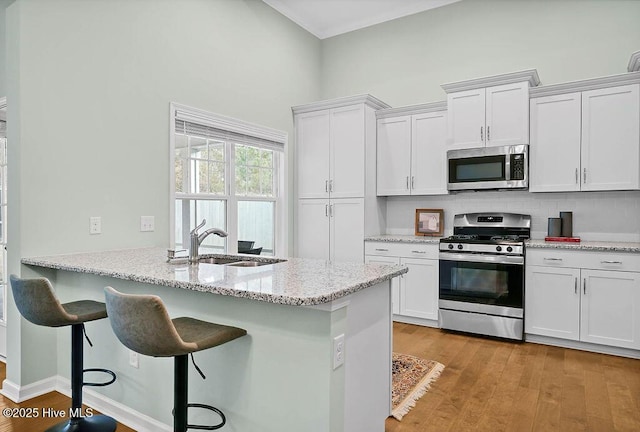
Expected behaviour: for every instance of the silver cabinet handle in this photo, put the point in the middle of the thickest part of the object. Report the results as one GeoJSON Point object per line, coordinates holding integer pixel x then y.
{"type": "Point", "coordinates": [326, 210]}
{"type": "Point", "coordinates": [611, 262]}
{"type": "Point", "coordinates": [552, 259]}
{"type": "Point", "coordinates": [413, 180]}
{"type": "Point", "coordinates": [418, 252]}
{"type": "Point", "coordinates": [577, 176]}
{"type": "Point", "coordinates": [382, 250]}
{"type": "Point", "coordinates": [330, 185]}
{"type": "Point", "coordinates": [488, 133]}
{"type": "Point", "coordinates": [584, 175]}
{"type": "Point", "coordinates": [575, 286]}
{"type": "Point", "coordinates": [584, 286]}
{"type": "Point", "coordinates": [331, 210]}
{"type": "Point", "coordinates": [481, 134]}
{"type": "Point", "coordinates": [326, 185]}
{"type": "Point", "coordinates": [407, 182]}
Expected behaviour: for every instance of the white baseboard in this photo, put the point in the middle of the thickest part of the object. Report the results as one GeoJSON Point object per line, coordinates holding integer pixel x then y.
{"type": "Point", "coordinates": [22, 393]}
{"type": "Point", "coordinates": [583, 346]}
{"type": "Point", "coordinates": [123, 414]}
{"type": "Point", "coordinates": [416, 321]}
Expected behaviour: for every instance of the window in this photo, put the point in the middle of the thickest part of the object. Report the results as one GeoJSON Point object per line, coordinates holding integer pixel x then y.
{"type": "Point", "coordinates": [230, 173]}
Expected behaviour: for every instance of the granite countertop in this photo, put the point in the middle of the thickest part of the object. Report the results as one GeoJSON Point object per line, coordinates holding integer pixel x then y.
{"type": "Point", "coordinates": [295, 281]}
{"type": "Point", "coordinates": [403, 239]}
{"type": "Point", "coordinates": [601, 246]}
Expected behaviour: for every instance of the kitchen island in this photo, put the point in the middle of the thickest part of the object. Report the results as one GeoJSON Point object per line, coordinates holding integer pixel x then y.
{"type": "Point", "coordinates": [281, 377]}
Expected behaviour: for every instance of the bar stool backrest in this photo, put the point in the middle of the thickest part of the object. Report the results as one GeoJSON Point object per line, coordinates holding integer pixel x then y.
{"type": "Point", "coordinates": [38, 303]}
{"type": "Point", "coordinates": [142, 324]}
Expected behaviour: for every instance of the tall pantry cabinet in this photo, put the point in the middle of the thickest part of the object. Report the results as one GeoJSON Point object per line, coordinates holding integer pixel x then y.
{"type": "Point", "coordinates": [335, 178]}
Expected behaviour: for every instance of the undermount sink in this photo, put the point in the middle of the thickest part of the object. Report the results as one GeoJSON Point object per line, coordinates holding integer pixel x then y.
{"type": "Point", "coordinates": [248, 263]}
{"type": "Point", "coordinates": [216, 260]}
{"type": "Point", "coordinates": [238, 262]}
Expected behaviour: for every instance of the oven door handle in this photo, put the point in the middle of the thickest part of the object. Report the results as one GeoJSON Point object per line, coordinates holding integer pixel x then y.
{"type": "Point", "coordinates": [494, 259]}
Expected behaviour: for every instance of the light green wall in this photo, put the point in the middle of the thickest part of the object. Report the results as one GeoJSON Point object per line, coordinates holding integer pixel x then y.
{"type": "Point", "coordinates": [89, 87]}
{"type": "Point", "coordinates": [3, 53]}
{"type": "Point", "coordinates": [404, 61]}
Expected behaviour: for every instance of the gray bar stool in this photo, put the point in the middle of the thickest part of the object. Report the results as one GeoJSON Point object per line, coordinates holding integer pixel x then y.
{"type": "Point", "coordinates": [38, 303]}
{"type": "Point", "coordinates": [142, 324]}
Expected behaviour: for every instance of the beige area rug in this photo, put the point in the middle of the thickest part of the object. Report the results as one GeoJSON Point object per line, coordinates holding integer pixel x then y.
{"type": "Point", "coordinates": [411, 377]}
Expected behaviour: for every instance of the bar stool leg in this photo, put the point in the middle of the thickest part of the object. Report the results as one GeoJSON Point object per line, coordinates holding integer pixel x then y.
{"type": "Point", "coordinates": [180, 392]}
{"type": "Point", "coordinates": [77, 423]}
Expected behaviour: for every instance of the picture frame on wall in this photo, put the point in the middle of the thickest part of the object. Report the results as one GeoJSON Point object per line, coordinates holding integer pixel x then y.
{"type": "Point", "coordinates": [429, 222]}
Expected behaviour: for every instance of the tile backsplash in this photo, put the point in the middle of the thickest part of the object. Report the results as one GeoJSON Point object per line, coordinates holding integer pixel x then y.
{"type": "Point", "coordinates": [597, 216]}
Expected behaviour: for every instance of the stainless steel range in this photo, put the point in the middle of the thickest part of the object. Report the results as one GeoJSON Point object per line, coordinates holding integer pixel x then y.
{"type": "Point", "coordinates": [482, 274]}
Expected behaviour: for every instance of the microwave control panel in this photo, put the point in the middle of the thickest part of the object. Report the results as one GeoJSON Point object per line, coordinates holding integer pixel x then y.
{"type": "Point", "coordinates": [517, 166]}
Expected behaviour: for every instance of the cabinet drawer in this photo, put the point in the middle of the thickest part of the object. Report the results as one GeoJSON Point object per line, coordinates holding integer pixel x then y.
{"type": "Point", "coordinates": [413, 250]}
{"type": "Point", "coordinates": [584, 259]}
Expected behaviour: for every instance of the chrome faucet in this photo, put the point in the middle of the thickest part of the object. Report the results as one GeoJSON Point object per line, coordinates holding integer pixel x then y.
{"type": "Point", "coordinates": [197, 239]}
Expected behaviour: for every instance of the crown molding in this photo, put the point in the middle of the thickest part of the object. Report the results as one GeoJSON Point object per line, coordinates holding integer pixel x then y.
{"type": "Point", "coordinates": [412, 109]}
{"type": "Point", "coordinates": [530, 75]}
{"type": "Point", "coordinates": [366, 99]}
{"type": "Point", "coordinates": [584, 85]}
{"type": "Point", "coordinates": [634, 62]}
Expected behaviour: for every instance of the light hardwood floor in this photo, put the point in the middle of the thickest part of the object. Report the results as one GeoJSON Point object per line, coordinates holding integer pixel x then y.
{"type": "Point", "coordinates": [494, 385]}
{"type": "Point", "coordinates": [53, 400]}
{"type": "Point", "coordinates": [487, 385]}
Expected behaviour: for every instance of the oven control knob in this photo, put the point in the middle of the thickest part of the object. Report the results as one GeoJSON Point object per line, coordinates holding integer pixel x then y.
{"type": "Point", "coordinates": [509, 249]}
{"type": "Point", "coordinates": [499, 248]}
{"type": "Point", "coordinates": [450, 246]}
{"type": "Point", "coordinates": [459, 246]}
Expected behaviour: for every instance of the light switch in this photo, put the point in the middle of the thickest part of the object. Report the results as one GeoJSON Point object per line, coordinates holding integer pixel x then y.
{"type": "Point", "coordinates": [95, 225]}
{"type": "Point", "coordinates": [147, 223]}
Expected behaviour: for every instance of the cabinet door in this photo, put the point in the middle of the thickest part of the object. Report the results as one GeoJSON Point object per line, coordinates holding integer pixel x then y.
{"type": "Point", "coordinates": [428, 154]}
{"type": "Point", "coordinates": [552, 302]}
{"type": "Point", "coordinates": [610, 136]}
{"type": "Point", "coordinates": [347, 230]}
{"type": "Point", "coordinates": [395, 282]}
{"type": "Point", "coordinates": [507, 114]}
{"type": "Point", "coordinates": [554, 163]}
{"type": "Point", "coordinates": [347, 152]}
{"type": "Point", "coordinates": [312, 240]}
{"type": "Point", "coordinates": [465, 122]}
{"type": "Point", "coordinates": [419, 289]}
{"type": "Point", "coordinates": [312, 154]}
{"type": "Point", "coordinates": [611, 308]}
{"type": "Point", "coordinates": [394, 156]}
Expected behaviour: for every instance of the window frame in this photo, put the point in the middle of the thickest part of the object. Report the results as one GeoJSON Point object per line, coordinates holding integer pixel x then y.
{"type": "Point", "coordinates": [195, 115]}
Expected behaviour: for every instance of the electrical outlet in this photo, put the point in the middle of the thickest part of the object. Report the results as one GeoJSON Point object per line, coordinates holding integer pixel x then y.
{"type": "Point", "coordinates": [338, 351]}
{"type": "Point", "coordinates": [147, 223]}
{"type": "Point", "coordinates": [95, 225]}
{"type": "Point", "coordinates": [133, 359]}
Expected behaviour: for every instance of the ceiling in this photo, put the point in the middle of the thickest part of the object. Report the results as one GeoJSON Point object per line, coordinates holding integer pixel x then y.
{"type": "Point", "coordinates": [326, 18]}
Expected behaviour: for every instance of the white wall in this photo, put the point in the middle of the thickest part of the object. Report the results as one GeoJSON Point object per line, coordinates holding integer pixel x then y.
{"type": "Point", "coordinates": [597, 216]}
{"type": "Point", "coordinates": [89, 87]}
{"type": "Point", "coordinates": [3, 54]}
{"type": "Point", "coordinates": [405, 61]}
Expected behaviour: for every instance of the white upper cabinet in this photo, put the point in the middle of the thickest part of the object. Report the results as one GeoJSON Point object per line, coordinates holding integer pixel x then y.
{"type": "Point", "coordinates": [330, 149]}
{"type": "Point", "coordinates": [489, 112]}
{"type": "Point", "coordinates": [394, 156]}
{"type": "Point", "coordinates": [428, 155]}
{"type": "Point", "coordinates": [466, 124]}
{"type": "Point", "coordinates": [411, 157]}
{"type": "Point", "coordinates": [586, 140]}
{"type": "Point", "coordinates": [312, 150]}
{"type": "Point", "coordinates": [554, 154]}
{"type": "Point", "coordinates": [346, 168]}
{"type": "Point", "coordinates": [610, 138]}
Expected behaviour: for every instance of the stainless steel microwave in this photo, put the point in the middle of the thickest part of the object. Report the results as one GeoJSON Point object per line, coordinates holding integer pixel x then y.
{"type": "Point", "coordinates": [504, 167]}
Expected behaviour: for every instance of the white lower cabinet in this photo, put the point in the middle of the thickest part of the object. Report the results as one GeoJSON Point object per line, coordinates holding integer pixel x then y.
{"type": "Point", "coordinates": [331, 229]}
{"type": "Point", "coordinates": [414, 294]}
{"type": "Point", "coordinates": [594, 305]}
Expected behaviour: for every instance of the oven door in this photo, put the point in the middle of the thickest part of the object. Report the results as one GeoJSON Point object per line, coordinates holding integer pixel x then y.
{"type": "Point", "coordinates": [491, 284]}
